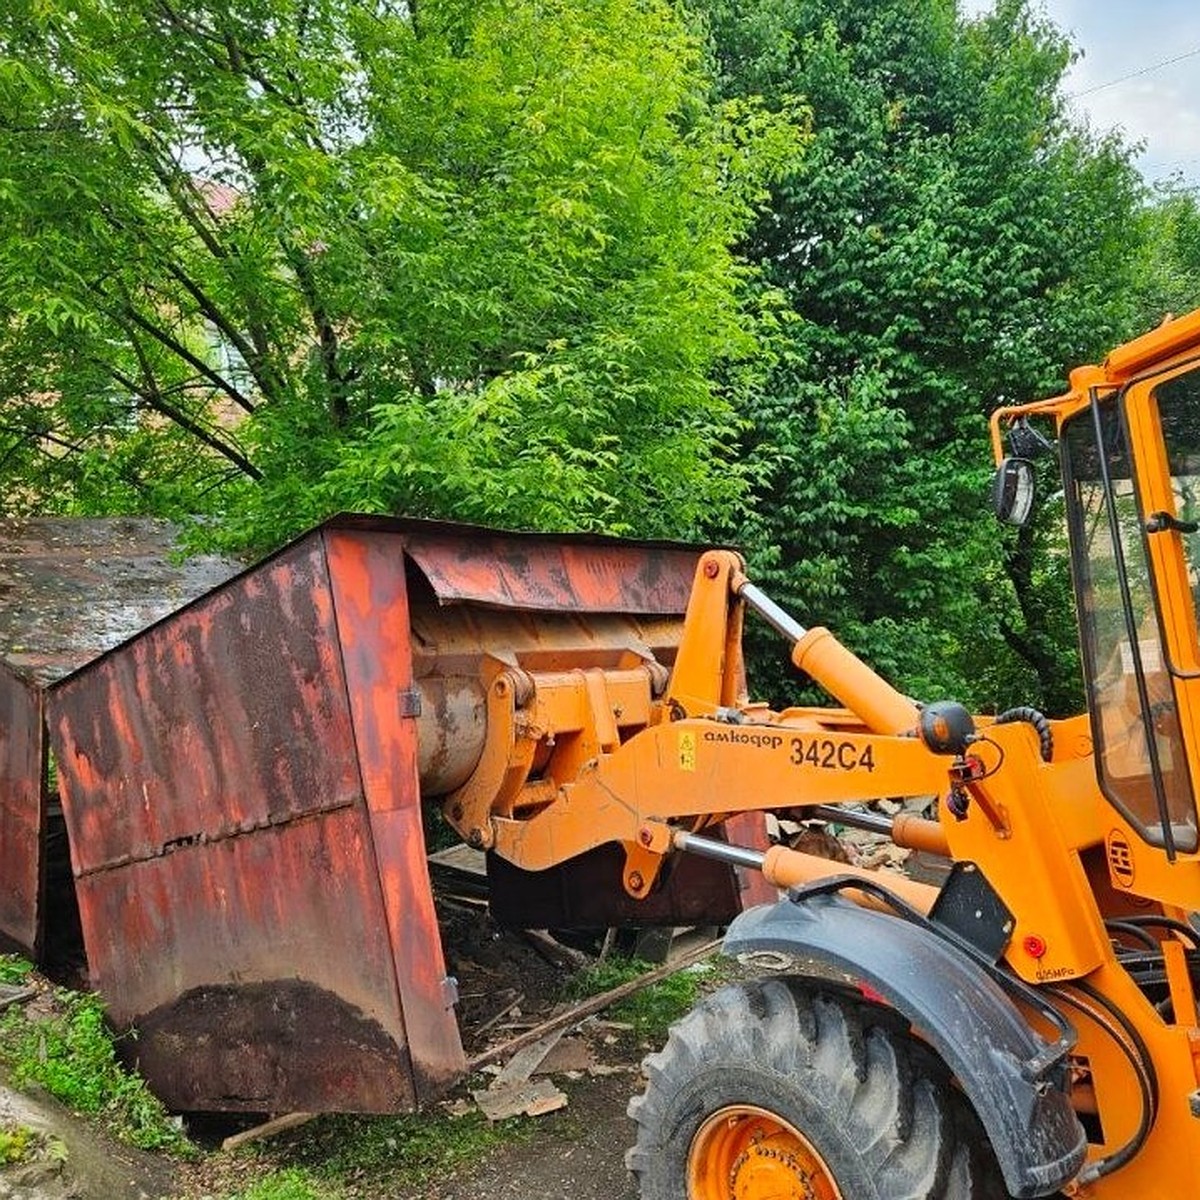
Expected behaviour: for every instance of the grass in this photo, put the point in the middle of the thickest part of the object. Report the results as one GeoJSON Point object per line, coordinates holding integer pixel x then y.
{"type": "Point", "coordinates": [292, 1183]}
{"type": "Point", "coordinates": [652, 1010]}
{"type": "Point", "coordinates": [14, 969]}
{"type": "Point", "coordinates": [370, 1158]}
{"type": "Point", "coordinates": [67, 1048]}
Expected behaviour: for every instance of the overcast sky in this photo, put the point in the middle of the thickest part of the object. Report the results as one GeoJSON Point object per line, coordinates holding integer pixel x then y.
{"type": "Point", "coordinates": [1160, 105]}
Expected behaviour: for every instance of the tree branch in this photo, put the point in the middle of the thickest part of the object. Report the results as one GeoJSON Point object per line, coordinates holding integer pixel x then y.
{"type": "Point", "coordinates": [182, 191]}
{"type": "Point", "coordinates": [43, 435]}
{"type": "Point", "coordinates": [152, 398]}
{"type": "Point", "coordinates": [264, 376]}
{"type": "Point", "coordinates": [327, 338]}
{"type": "Point", "coordinates": [176, 347]}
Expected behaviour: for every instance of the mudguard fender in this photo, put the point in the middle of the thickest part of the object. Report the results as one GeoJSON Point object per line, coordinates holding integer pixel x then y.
{"type": "Point", "coordinates": [957, 1008]}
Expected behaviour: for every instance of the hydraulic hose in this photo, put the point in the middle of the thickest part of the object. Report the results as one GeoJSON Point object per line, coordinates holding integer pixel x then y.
{"type": "Point", "coordinates": [1041, 726]}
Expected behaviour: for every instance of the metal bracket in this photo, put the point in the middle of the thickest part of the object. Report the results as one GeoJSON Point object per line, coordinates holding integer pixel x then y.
{"type": "Point", "coordinates": [970, 907]}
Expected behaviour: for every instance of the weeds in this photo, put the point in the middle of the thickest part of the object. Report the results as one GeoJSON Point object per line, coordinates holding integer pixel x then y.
{"type": "Point", "coordinates": [21, 1143]}
{"type": "Point", "coordinates": [14, 969]}
{"type": "Point", "coordinates": [70, 1052]}
{"type": "Point", "coordinates": [351, 1157]}
{"type": "Point", "coordinates": [291, 1183]}
{"type": "Point", "coordinates": [652, 1010]}
{"type": "Point", "coordinates": [356, 1158]}
{"type": "Point", "coordinates": [16, 1142]}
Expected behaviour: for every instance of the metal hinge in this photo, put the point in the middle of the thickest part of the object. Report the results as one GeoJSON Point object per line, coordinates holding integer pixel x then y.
{"type": "Point", "coordinates": [410, 703]}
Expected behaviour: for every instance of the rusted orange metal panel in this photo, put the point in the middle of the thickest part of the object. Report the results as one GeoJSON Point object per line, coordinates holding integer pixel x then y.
{"type": "Point", "coordinates": [70, 589]}
{"type": "Point", "coordinates": [545, 572]}
{"type": "Point", "coordinates": [367, 571]}
{"type": "Point", "coordinates": [229, 895]}
{"type": "Point", "coordinates": [22, 814]}
{"type": "Point", "coordinates": [750, 829]}
{"type": "Point", "coordinates": [256, 970]}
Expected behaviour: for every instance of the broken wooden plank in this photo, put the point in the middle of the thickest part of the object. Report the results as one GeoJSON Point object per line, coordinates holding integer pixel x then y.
{"type": "Point", "coordinates": [18, 997]}
{"type": "Point", "coordinates": [463, 858]}
{"type": "Point", "coordinates": [554, 952]}
{"type": "Point", "coordinates": [266, 1130]}
{"type": "Point", "coordinates": [532, 1098]}
{"type": "Point", "coordinates": [527, 1060]}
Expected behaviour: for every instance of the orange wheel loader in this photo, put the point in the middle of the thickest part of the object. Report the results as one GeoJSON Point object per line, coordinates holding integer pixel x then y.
{"type": "Point", "coordinates": [1028, 1028]}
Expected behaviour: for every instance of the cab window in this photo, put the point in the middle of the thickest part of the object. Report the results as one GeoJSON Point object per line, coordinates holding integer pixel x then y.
{"type": "Point", "coordinates": [1140, 758]}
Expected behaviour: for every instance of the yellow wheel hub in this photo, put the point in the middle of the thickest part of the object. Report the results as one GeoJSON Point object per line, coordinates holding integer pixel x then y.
{"type": "Point", "coordinates": [747, 1153]}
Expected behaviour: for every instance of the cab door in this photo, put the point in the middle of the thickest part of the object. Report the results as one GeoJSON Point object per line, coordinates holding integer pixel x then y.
{"type": "Point", "coordinates": [1132, 467]}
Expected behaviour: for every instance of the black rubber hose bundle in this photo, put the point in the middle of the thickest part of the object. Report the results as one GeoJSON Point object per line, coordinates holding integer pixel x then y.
{"type": "Point", "coordinates": [1041, 726]}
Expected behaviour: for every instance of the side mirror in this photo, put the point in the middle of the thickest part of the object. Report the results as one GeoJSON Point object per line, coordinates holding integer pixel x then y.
{"type": "Point", "coordinates": [1013, 491]}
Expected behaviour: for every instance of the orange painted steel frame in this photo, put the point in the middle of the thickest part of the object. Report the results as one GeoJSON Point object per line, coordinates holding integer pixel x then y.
{"type": "Point", "coordinates": [577, 759]}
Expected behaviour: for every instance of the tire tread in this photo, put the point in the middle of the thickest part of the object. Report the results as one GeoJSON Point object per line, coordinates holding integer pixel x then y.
{"type": "Point", "coordinates": [908, 1130]}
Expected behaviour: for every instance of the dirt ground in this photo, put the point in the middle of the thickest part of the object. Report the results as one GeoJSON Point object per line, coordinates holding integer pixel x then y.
{"type": "Point", "coordinates": [577, 1153]}
{"type": "Point", "coordinates": [574, 1154]}
{"type": "Point", "coordinates": [78, 1162]}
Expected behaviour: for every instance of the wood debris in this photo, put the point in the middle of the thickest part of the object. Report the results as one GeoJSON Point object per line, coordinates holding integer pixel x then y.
{"type": "Point", "coordinates": [10, 996]}
{"type": "Point", "coordinates": [532, 1098]}
{"type": "Point", "coordinates": [512, 1006]}
{"type": "Point", "coordinates": [527, 1060]}
{"type": "Point", "coordinates": [267, 1129]}
{"type": "Point", "coordinates": [571, 1054]}
{"type": "Point", "coordinates": [594, 1004]}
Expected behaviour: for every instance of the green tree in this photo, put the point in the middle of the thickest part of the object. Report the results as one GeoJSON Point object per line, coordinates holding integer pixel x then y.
{"type": "Point", "coordinates": [271, 258]}
{"type": "Point", "coordinates": [1168, 281]}
{"type": "Point", "coordinates": [952, 240]}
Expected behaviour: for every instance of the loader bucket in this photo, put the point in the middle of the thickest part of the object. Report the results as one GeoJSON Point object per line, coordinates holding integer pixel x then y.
{"type": "Point", "coordinates": [241, 784]}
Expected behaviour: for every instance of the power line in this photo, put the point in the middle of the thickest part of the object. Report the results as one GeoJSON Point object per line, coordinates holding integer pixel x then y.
{"type": "Point", "coordinates": [1178, 163]}
{"type": "Point", "coordinates": [1166, 62]}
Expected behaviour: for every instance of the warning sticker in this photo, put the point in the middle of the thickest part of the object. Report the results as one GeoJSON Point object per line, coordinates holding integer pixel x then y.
{"type": "Point", "coordinates": [687, 751]}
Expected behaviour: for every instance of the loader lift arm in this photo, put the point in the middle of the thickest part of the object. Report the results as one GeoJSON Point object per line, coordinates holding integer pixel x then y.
{"type": "Point", "coordinates": [701, 738]}
{"type": "Point", "coordinates": [577, 759]}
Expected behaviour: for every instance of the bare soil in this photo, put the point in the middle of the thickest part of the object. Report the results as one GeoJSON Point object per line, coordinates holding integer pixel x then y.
{"type": "Point", "coordinates": [577, 1153]}
{"type": "Point", "coordinates": [87, 1165]}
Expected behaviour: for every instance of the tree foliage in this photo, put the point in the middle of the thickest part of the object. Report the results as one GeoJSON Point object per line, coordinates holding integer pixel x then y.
{"type": "Point", "coordinates": [1168, 280]}
{"type": "Point", "coordinates": [951, 240]}
{"type": "Point", "coordinates": [271, 258]}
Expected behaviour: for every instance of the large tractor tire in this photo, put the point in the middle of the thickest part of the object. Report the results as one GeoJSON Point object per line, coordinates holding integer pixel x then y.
{"type": "Point", "coordinates": [772, 1090]}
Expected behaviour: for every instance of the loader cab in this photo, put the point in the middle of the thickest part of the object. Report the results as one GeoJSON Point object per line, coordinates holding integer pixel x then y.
{"type": "Point", "coordinates": [1131, 464]}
